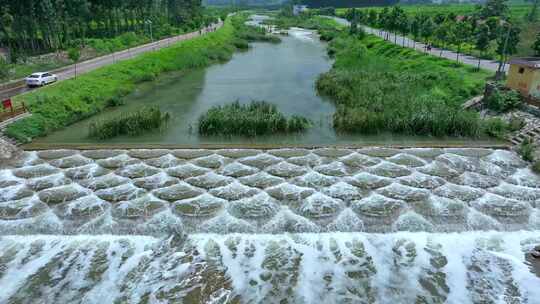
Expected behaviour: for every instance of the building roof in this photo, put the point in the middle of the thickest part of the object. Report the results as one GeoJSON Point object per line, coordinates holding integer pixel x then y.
{"type": "Point", "coordinates": [532, 62]}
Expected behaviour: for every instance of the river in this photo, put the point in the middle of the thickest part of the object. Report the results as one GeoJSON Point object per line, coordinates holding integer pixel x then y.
{"type": "Point", "coordinates": [283, 74]}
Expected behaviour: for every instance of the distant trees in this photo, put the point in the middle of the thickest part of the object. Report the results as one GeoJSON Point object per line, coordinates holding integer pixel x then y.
{"type": "Point", "coordinates": [33, 27]}
{"type": "Point", "coordinates": [74, 55]}
{"type": "Point", "coordinates": [494, 8]}
{"type": "Point", "coordinates": [507, 42]}
{"type": "Point", "coordinates": [427, 29]}
{"type": "Point", "coordinates": [442, 33]}
{"type": "Point", "coordinates": [536, 45]}
{"type": "Point", "coordinates": [327, 11]}
{"type": "Point", "coordinates": [533, 14]}
{"type": "Point", "coordinates": [482, 41]}
{"type": "Point", "coordinates": [462, 34]}
{"type": "Point", "coordinates": [484, 31]}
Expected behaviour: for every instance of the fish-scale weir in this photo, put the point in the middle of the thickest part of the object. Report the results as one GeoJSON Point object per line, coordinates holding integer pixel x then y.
{"type": "Point", "coordinates": [371, 225]}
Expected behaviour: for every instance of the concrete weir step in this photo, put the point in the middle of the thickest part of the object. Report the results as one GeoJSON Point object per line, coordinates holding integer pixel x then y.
{"type": "Point", "coordinates": [160, 191]}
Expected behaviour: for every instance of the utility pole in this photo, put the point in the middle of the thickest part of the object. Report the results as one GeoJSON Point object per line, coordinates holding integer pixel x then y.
{"type": "Point", "coordinates": [500, 71]}
{"type": "Point", "coordinates": [149, 22]}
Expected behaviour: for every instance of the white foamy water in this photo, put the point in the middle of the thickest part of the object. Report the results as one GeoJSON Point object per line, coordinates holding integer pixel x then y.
{"type": "Point", "coordinates": [288, 226]}
{"type": "Point", "coordinates": [470, 267]}
{"type": "Point", "coordinates": [158, 192]}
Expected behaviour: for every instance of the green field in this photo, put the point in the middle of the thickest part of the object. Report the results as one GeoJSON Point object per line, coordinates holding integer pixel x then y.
{"type": "Point", "coordinates": [518, 10]}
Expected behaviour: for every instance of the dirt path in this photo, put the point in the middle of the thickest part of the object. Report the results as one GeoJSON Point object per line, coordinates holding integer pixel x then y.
{"type": "Point", "coordinates": [490, 65]}
{"type": "Point", "coordinates": [86, 66]}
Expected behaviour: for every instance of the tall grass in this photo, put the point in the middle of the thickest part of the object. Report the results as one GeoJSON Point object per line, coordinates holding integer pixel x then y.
{"type": "Point", "coordinates": [132, 123]}
{"type": "Point", "coordinates": [69, 101]}
{"type": "Point", "coordinates": [255, 118]}
{"type": "Point", "coordinates": [251, 33]}
{"type": "Point", "coordinates": [381, 87]}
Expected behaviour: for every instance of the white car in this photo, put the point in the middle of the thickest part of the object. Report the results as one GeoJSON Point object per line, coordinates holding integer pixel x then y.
{"type": "Point", "coordinates": [40, 79]}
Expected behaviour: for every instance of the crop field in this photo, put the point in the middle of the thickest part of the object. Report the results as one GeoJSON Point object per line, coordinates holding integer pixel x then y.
{"type": "Point", "coordinates": [518, 10]}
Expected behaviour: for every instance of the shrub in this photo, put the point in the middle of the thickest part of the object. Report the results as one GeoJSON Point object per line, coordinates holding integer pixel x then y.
{"type": "Point", "coordinates": [495, 127]}
{"type": "Point", "coordinates": [526, 150]}
{"type": "Point", "coordinates": [241, 44]}
{"type": "Point", "coordinates": [536, 167]}
{"type": "Point", "coordinates": [502, 100]}
{"type": "Point", "coordinates": [132, 123]}
{"type": "Point", "coordinates": [4, 68]}
{"type": "Point", "coordinates": [255, 118]}
{"type": "Point", "coordinates": [516, 123]}
{"type": "Point", "coordinates": [326, 35]}
{"type": "Point", "coordinates": [253, 33]}
{"type": "Point", "coordinates": [115, 101]}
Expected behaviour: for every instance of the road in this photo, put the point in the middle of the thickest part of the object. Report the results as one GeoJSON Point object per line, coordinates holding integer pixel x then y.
{"type": "Point", "coordinates": [490, 65]}
{"type": "Point", "coordinates": [68, 72]}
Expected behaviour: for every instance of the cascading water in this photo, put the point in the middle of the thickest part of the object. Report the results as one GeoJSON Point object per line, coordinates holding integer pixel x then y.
{"type": "Point", "coordinates": [371, 225]}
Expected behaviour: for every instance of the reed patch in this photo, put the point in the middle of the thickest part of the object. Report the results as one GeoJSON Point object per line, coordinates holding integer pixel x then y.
{"type": "Point", "coordinates": [255, 118]}
{"type": "Point", "coordinates": [130, 123]}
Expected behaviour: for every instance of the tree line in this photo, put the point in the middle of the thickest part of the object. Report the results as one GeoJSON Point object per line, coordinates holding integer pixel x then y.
{"type": "Point", "coordinates": [488, 28]}
{"type": "Point", "coordinates": [30, 27]}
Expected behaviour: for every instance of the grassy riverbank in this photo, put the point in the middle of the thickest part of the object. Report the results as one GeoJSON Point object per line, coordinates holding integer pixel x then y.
{"type": "Point", "coordinates": [256, 118]}
{"type": "Point", "coordinates": [62, 104]}
{"type": "Point", "coordinates": [379, 87]}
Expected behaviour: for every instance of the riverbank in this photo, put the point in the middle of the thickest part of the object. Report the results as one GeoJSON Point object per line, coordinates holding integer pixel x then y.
{"type": "Point", "coordinates": [67, 102]}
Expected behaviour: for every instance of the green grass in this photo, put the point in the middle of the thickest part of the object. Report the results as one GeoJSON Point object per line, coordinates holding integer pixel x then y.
{"type": "Point", "coordinates": [253, 33]}
{"type": "Point", "coordinates": [67, 102]}
{"type": "Point", "coordinates": [256, 118]}
{"type": "Point", "coordinates": [381, 87]}
{"type": "Point", "coordinates": [131, 123]}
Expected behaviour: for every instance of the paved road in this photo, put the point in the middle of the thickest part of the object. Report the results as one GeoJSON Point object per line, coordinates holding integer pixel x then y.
{"type": "Point", "coordinates": [400, 40]}
{"type": "Point", "coordinates": [92, 64]}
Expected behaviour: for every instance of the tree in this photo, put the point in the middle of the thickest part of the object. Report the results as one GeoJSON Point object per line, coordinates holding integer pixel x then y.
{"type": "Point", "coordinates": [494, 8]}
{"type": "Point", "coordinates": [427, 29]}
{"type": "Point", "coordinates": [351, 14]}
{"type": "Point", "coordinates": [383, 20]}
{"type": "Point", "coordinates": [354, 27]}
{"type": "Point", "coordinates": [416, 25]}
{"type": "Point", "coordinates": [4, 68]}
{"type": "Point", "coordinates": [482, 41]}
{"type": "Point", "coordinates": [493, 23]}
{"type": "Point", "coordinates": [462, 33]}
{"type": "Point", "coordinates": [395, 20]}
{"type": "Point", "coordinates": [36, 27]}
{"type": "Point", "coordinates": [372, 17]}
{"type": "Point", "coordinates": [536, 45]}
{"type": "Point", "coordinates": [441, 33]}
{"type": "Point", "coordinates": [404, 27]}
{"type": "Point", "coordinates": [507, 41]}
{"type": "Point", "coordinates": [74, 55]}
{"type": "Point", "coordinates": [533, 14]}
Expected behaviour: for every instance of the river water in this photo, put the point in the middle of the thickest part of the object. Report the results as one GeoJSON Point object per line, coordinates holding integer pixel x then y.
{"type": "Point", "coordinates": [283, 74]}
